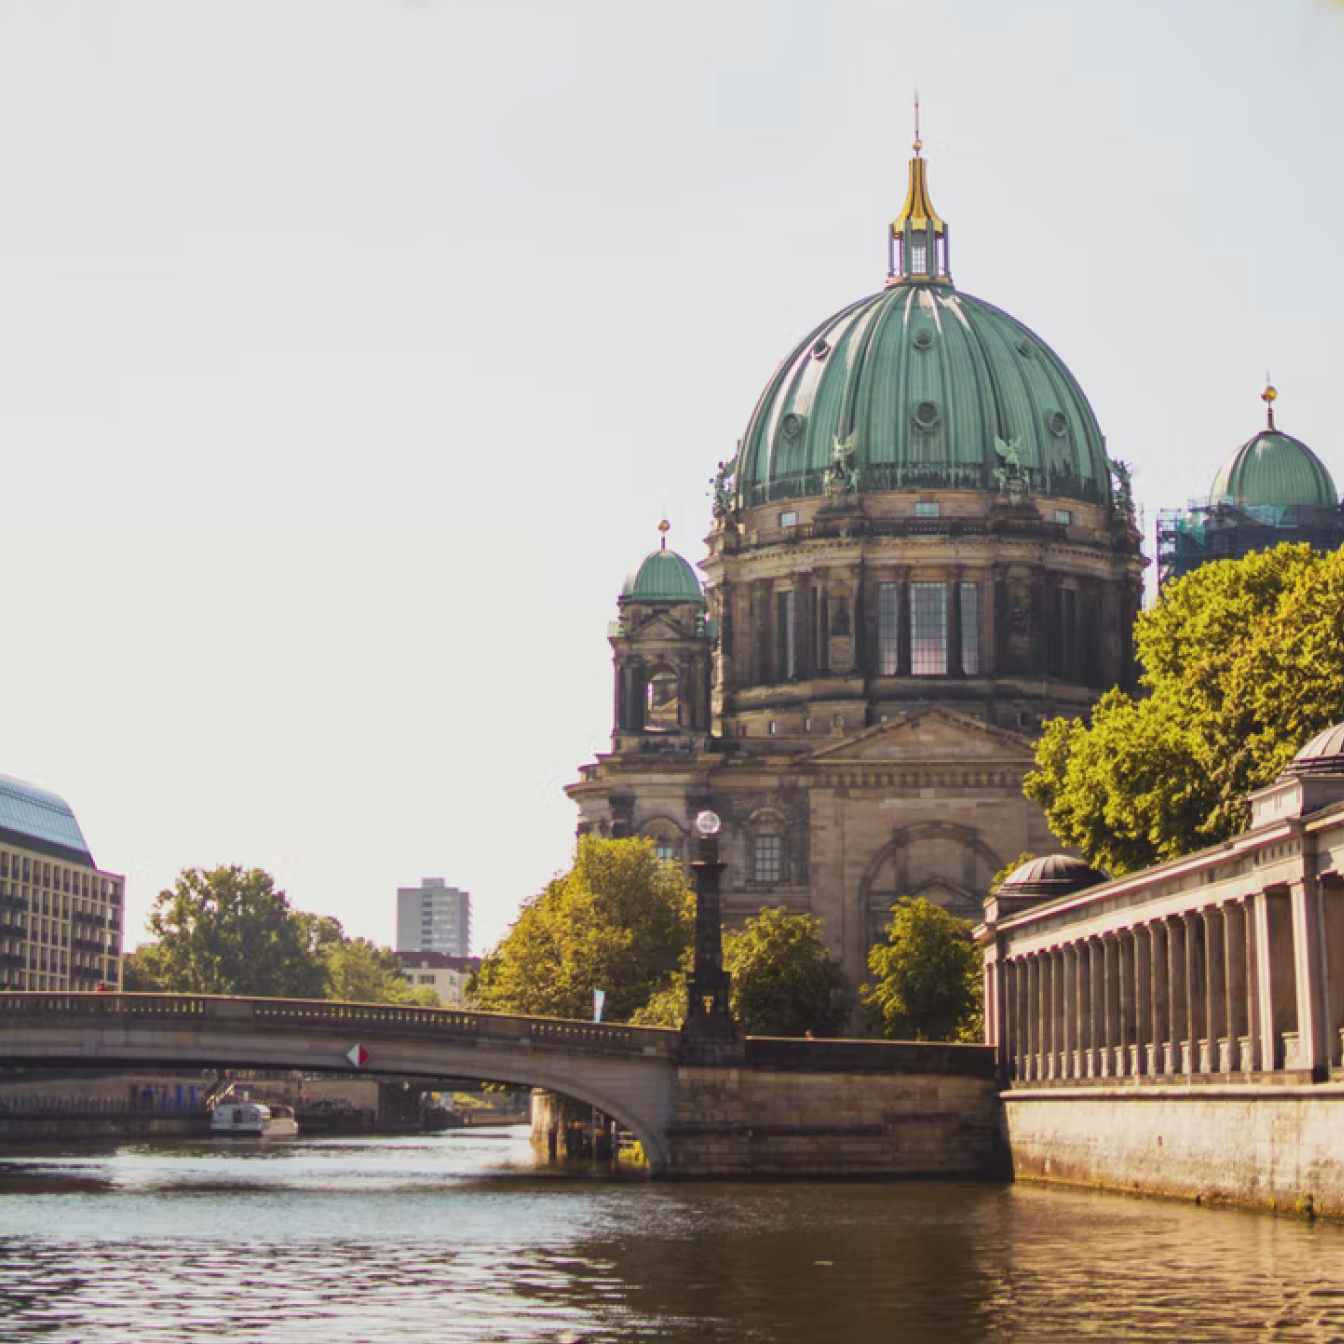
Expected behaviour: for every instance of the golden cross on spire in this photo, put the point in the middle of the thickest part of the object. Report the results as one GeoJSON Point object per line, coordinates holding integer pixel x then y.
{"type": "Point", "coordinates": [919, 144]}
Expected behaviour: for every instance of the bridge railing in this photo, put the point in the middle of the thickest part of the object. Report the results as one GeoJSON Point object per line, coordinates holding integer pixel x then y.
{"type": "Point", "coordinates": [543, 1032]}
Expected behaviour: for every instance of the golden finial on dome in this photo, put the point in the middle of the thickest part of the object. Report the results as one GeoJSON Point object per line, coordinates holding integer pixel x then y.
{"type": "Point", "coordinates": [1268, 396]}
{"type": "Point", "coordinates": [919, 144]}
{"type": "Point", "coordinates": [664, 527]}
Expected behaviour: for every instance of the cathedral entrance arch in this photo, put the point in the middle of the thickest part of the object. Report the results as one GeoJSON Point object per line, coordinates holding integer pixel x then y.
{"type": "Point", "coordinates": [945, 862]}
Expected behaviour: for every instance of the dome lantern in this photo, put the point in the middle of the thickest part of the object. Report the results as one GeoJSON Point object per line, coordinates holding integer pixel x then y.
{"type": "Point", "coordinates": [917, 241]}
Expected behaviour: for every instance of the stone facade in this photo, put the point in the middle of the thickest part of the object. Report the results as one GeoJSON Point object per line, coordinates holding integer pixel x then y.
{"type": "Point", "coordinates": [928, 803]}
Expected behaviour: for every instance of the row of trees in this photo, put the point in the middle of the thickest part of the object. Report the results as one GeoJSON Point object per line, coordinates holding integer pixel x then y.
{"type": "Point", "coordinates": [621, 921]}
{"type": "Point", "coordinates": [230, 931]}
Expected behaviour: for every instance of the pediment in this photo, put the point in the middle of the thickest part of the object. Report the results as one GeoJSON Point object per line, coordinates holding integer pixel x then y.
{"type": "Point", "coordinates": [929, 733]}
{"type": "Point", "coordinates": [658, 627]}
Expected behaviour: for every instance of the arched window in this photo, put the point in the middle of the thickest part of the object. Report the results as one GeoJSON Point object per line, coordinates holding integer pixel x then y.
{"type": "Point", "coordinates": [662, 700]}
{"type": "Point", "coordinates": [669, 842]}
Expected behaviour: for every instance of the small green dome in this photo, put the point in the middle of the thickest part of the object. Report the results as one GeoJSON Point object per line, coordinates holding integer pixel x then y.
{"type": "Point", "coordinates": [925, 383]}
{"type": "Point", "coordinates": [1274, 469]}
{"type": "Point", "coordinates": [662, 576]}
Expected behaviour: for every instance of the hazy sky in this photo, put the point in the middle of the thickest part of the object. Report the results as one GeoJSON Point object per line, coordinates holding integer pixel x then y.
{"type": "Point", "coordinates": [351, 350]}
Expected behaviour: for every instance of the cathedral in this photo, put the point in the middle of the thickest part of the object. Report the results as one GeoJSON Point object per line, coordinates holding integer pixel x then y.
{"type": "Point", "coordinates": [919, 552]}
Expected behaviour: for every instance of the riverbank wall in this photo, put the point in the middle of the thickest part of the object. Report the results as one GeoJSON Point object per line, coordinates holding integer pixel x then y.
{"type": "Point", "coordinates": [814, 1109]}
{"type": "Point", "coordinates": [1265, 1146]}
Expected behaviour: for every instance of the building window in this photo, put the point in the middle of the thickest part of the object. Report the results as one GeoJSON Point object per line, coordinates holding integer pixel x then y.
{"type": "Point", "coordinates": [888, 624]}
{"type": "Point", "coordinates": [664, 850]}
{"type": "Point", "coordinates": [928, 629]}
{"type": "Point", "coordinates": [919, 255]}
{"type": "Point", "coordinates": [788, 518]}
{"type": "Point", "coordinates": [662, 701]}
{"type": "Point", "coordinates": [970, 629]}
{"type": "Point", "coordinates": [767, 859]}
{"type": "Point", "coordinates": [928, 508]}
{"type": "Point", "coordinates": [1064, 516]}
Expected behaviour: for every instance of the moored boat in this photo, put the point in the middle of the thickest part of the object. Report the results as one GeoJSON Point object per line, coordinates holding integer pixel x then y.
{"type": "Point", "coordinates": [251, 1119]}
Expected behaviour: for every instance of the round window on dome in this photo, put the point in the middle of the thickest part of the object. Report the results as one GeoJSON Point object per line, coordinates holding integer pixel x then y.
{"type": "Point", "coordinates": [791, 426]}
{"type": "Point", "coordinates": [922, 339]}
{"type": "Point", "coordinates": [1058, 423]}
{"type": "Point", "coordinates": [926, 416]}
{"type": "Point", "coordinates": [1024, 347]}
{"type": "Point", "coordinates": [820, 349]}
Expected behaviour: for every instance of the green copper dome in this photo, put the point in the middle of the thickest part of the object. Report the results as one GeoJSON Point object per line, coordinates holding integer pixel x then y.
{"type": "Point", "coordinates": [930, 386]}
{"type": "Point", "coordinates": [662, 576]}
{"type": "Point", "coordinates": [1275, 470]}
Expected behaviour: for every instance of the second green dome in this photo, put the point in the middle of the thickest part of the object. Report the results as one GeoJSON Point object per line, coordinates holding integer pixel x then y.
{"type": "Point", "coordinates": [1275, 470]}
{"type": "Point", "coordinates": [662, 576]}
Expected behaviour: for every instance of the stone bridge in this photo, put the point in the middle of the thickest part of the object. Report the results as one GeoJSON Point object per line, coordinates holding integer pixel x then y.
{"type": "Point", "coordinates": [786, 1107]}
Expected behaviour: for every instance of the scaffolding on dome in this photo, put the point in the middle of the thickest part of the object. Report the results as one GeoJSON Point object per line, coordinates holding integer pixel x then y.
{"type": "Point", "coordinates": [1190, 537]}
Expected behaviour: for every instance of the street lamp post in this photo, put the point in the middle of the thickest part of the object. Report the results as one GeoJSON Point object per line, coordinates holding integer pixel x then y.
{"type": "Point", "coordinates": [709, 1034]}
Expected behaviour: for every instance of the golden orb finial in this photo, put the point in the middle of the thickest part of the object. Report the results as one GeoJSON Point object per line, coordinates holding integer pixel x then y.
{"type": "Point", "coordinates": [918, 144]}
{"type": "Point", "coordinates": [1268, 396]}
{"type": "Point", "coordinates": [664, 527]}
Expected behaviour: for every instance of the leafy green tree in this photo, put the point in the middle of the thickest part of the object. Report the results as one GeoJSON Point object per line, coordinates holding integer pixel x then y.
{"type": "Point", "coordinates": [360, 971]}
{"type": "Point", "coordinates": [1243, 663]}
{"type": "Point", "coordinates": [618, 921]}
{"type": "Point", "coordinates": [785, 982]}
{"type": "Point", "coordinates": [142, 971]}
{"type": "Point", "coordinates": [926, 977]}
{"type": "Point", "coordinates": [230, 931]}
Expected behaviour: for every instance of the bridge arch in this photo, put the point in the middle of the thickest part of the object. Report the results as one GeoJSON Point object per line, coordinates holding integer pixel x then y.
{"type": "Point", "coordinates": [627, 1072]}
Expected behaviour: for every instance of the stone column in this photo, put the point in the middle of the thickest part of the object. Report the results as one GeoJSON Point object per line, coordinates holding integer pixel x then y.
{"type": "Point", "coordinates": [1332, 904]}
{"type": "Point", "coordinates": [1143, 998]}
{"type": "Point", "coordinates": [1234, 985]}
{"type": "Point", "coordinates": [1275, 966]}
{"type": "Point", "coordinates": [1082, 1010]}
{"type": "Point", "coordinates": [1161, 997]}
{"type": "Point", "coordinates": [1033, 1018]}
{"type": "Point", "coordinates": [954, 663]}
{"type": "Point", "coordinates": [1096, 956]}
{"type": "Point", "coordinates": [1177, 1002]}
{"type": "Point", "coordinates": [1313, 1013]}
{"type": "Point", "coordinates": [1069, 954]}
{"type": "Point", "coordinates": [1110, 966]}
{"type": "Point", "coordinates": [1196, 978]}
{"type": "Point", "coordinates": [1125, 953]}
{"type": "Point", "coordinates": [1222, 1046]}
{"type": "Point", "coordinates": [1255, 1058]}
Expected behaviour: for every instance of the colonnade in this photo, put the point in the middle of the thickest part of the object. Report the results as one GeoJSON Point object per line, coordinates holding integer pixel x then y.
{"type": "Point", "coordinates": [1252, 984]}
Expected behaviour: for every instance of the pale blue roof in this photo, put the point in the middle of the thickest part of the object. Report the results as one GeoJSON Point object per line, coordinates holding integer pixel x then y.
{"type": "Point", "coordinates": [40, 820]}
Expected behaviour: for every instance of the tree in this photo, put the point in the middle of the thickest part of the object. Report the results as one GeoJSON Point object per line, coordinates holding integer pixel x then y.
{"type": "Point", "coordinates": [229, 931]}
{"type": "Point", "coordinates": [785, 982]}
{"type": "Point", "coordinates": [360, 971]}
{"type": "Point", "coordinates": [1243, 663]}
{"type": "Point", "coordinates": [926, 984]}
{"type": "Point", "coordinates": [142, 971]}
{"type": "Point", "coordinates": [618, 921]}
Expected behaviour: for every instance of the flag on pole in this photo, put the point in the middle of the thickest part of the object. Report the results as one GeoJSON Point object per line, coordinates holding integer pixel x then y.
{"type": "Point", "coordinates": [599, 998]}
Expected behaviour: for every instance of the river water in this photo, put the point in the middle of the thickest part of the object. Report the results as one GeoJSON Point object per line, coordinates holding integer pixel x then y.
{"type": "Point", "coordinates": [461, 1236]}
